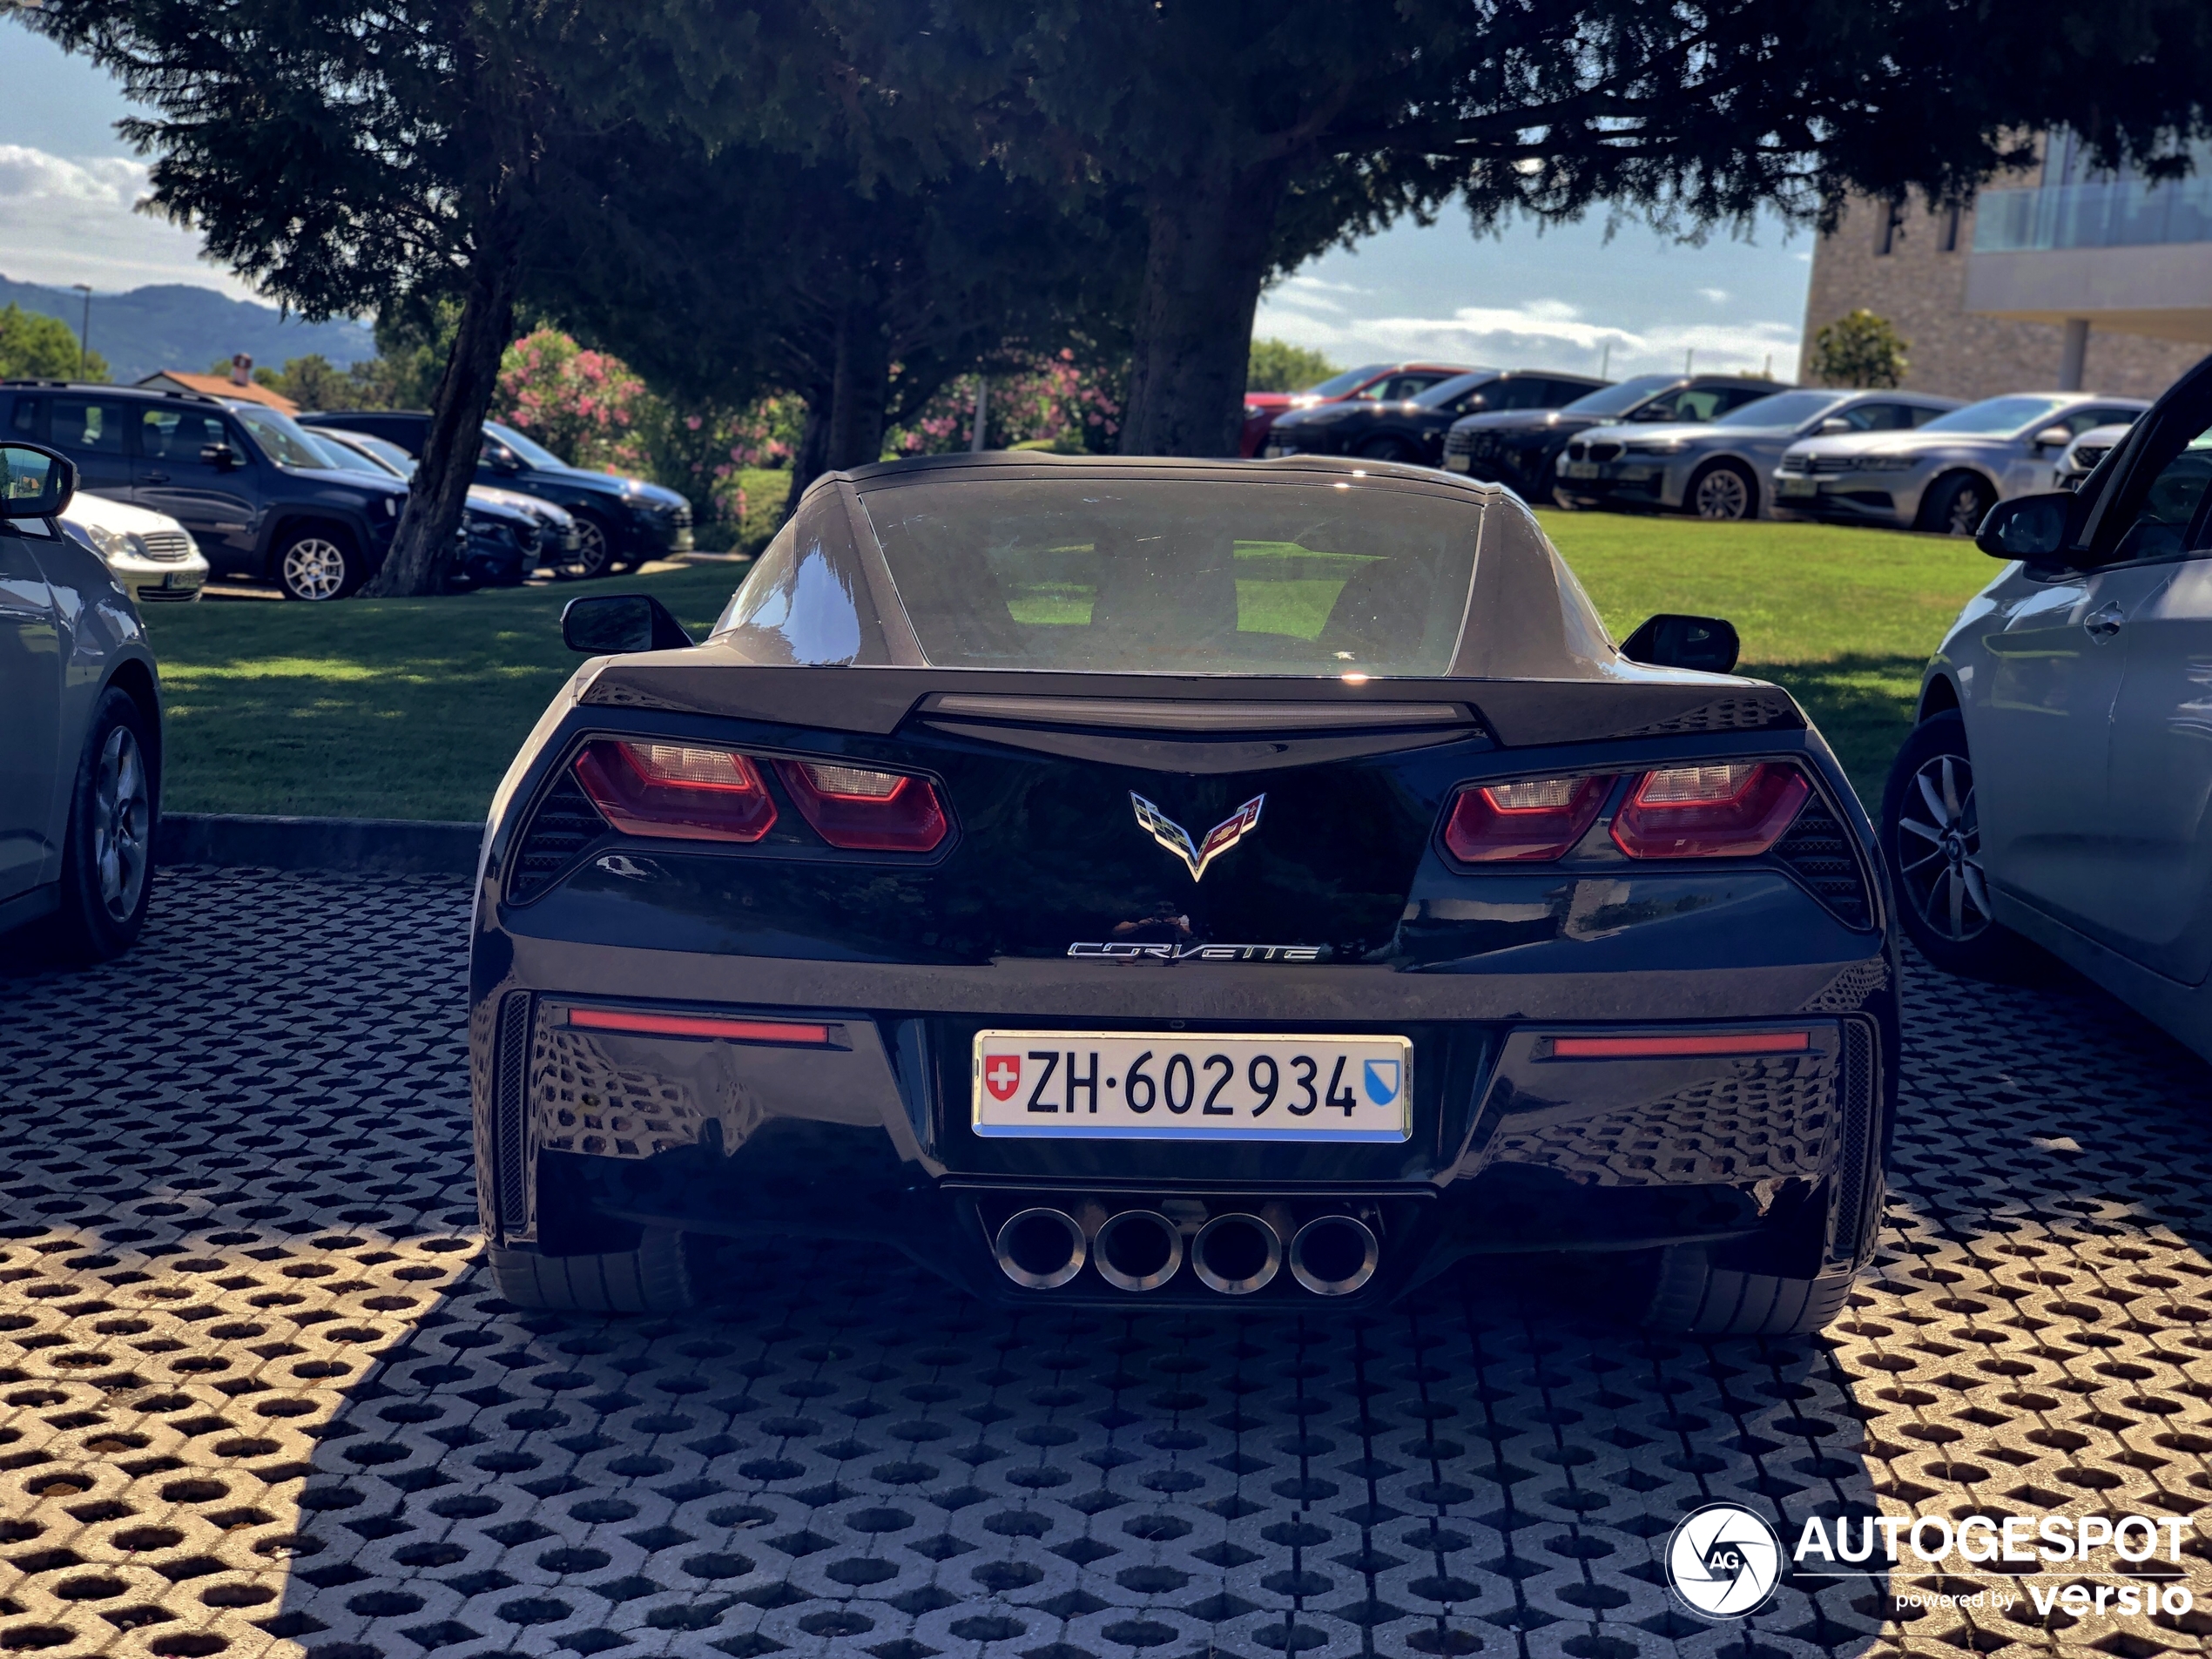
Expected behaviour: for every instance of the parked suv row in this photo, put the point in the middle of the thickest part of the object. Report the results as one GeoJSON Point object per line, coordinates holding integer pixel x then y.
{"type": "Point", "coordinates": [1520, 448]}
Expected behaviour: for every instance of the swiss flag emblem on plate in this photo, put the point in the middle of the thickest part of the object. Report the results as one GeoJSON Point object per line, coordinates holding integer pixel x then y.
{"type": "Point", "coordinates": [1002, 1074]}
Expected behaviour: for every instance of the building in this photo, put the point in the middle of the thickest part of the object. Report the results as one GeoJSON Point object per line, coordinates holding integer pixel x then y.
{"type": "Point", "coordinates": [239, 383]}
{"type": "Point", "coordinates": [2069, 282]}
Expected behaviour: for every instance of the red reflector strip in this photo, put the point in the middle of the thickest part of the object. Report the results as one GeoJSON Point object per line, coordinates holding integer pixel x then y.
{"type": "Point", "coordinates": [1648, 1048]}
{"type": "Point", "coordinates": [680, 1025]}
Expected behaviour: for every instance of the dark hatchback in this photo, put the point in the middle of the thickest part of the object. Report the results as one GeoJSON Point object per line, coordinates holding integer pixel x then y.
{"type": "Point", "coordinates": [624, 522]}
{"type": "Point", "coordinates": [260, 499]}
{"type": "Point", "coordinates": [1519, 448]}
{"type": "Point", "coordinates": [1413, 429]}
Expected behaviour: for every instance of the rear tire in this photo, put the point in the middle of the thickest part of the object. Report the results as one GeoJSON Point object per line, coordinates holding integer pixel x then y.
{"type": "Point", "coordinates": [1692, 1297]}
{"type": "Point", "coordinates": [595, 555]}
{"type": "Point", "coordinates": [107, 854]}
{"type": "Point", "coordinates": [656, 1278]}
{"type": "Point", "coordinates": [318, 563]}
{"type": "Point", "coordinates": [1931, 834]}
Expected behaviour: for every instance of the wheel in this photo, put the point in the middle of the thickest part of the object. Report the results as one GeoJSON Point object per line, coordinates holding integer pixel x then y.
{"type": "Point", "coordinates": [1932, 837]}
{"type": "Point", "coordinates": [1388, 449]}
{"type": "Point", "coordinates": [595, 553]}
{"type": "Point", "coordinates": [107, 853]}
{"type": "Point", "coordinates": [1690, 1296]}
{"type": "Point", "coordinates": [1725, 491]}
{"type": "Point", "coordinates": [655, 1278]}
{"type": "Point", "coordinates": [1957, 505]}
{"type": "Point", "coordinates": [318, 563]}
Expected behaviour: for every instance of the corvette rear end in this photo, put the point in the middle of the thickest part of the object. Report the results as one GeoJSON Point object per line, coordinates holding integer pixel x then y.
{"type": "Point", "coordinates": [1157, 883]}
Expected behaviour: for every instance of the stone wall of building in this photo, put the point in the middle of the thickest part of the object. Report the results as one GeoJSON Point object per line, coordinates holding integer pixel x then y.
{"type": "Point", "coordinates": [1919, 285]}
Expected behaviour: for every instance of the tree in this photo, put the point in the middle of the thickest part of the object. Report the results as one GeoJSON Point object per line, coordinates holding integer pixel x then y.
{"type": "Point", "coordinates": [1256, 131]}
{"type": "Point", "coordinates": [42, 348]}
{"type": "Point", "coordinates": [1278, 365]}
{"type": "Point", "coordinates": [1858, 349]}
{"type": "Point", "coordinates": [373, 155]}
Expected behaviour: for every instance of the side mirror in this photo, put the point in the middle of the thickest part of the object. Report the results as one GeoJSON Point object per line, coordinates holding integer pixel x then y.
{"type": "Point", "coordinates": [1833, 424]}
{"type": "Point", "coordinates": [34, 483]}
{"type": "Point", "coordinates": [604, 625]}
{"type": "Point", "coordinates": [2035, 528]}
{"type": "Point", "coordinates": [1705, 643]}
{"type": "Point", "coordinates": [220, 456]}
{"type": "Point", "coordinates": [2053, 437]}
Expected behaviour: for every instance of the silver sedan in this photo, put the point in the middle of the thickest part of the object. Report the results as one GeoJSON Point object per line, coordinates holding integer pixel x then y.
{"type": "Point", "coordinates": [1719, 468]}
{"type": "Point", "coordinates": [1945, 476]}
{"type": "Point", "coordinates": [80, 744]}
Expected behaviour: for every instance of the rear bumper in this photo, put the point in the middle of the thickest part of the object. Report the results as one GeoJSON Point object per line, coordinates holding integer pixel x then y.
{"type": "Point", "coordinates": [1514, 1149]}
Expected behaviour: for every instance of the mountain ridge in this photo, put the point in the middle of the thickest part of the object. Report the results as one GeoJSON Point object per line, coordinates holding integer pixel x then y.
{"type": "Point", "coordinates": [175, 325]}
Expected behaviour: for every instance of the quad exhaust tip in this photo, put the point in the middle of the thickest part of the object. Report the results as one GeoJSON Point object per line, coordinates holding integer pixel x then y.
{"type": "Point", "coordinates": [1236, 1254]}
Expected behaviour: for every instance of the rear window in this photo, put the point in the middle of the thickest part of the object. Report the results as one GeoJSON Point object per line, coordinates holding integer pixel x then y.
{"type": "Point", "coordinates": [1173, 576]}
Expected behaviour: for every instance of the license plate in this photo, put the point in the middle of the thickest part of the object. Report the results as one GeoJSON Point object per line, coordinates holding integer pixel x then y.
{"type": "Point", "coordinates": [1456, 464]}
{"type": "Point", "coordinates": [1798, 487]}
{"type": "Point", "coordinates": [1578, 468]}
{"type": "Point", "coordinates": [1163, 1086]}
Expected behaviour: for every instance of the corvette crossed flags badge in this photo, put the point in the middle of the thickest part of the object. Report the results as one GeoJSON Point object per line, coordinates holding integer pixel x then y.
{"type": "Point", "coordinates": [1177, 839]}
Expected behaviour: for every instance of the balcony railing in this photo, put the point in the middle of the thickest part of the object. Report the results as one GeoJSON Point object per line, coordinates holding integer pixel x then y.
{"type": "Point", "coordinates": [2117, 213]}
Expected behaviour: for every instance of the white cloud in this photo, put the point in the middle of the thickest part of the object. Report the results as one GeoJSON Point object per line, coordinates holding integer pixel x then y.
{"type": "Point", "coordinates": [1545, 333]}
{"type": "Point", "coordinates": [64, 220]}
{"type": "Point", "coordinates": [1718, 296]}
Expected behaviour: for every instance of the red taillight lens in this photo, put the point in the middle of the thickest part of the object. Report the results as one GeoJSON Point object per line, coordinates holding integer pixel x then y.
{"type": "Point", "coordinates": [1524, 822]}
{"type": "Point", "coordinates": [865, 811]}
{"type": "Point", "coordinates": [1736, 810]}
{"type": "Point", "coordinates": [674, 790]}
{"type": "Point", "coordinates": [685, 1025]}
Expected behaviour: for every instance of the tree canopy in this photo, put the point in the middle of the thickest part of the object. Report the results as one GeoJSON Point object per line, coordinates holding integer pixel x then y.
{"type": "Point", "coordinates": [39, 347]}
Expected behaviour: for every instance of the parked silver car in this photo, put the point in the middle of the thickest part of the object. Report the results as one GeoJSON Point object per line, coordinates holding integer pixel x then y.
{"type": "Point", "coordinates": [2056, 784]}
{"type": "Point", "coordinates": [1947, 475]}
{"type": "Point", "coordinates": [2083, 454]}
{"type": "Point", "coordinates": [80, 739]}
{"type": "Point", "coordinates": [1720, 469]}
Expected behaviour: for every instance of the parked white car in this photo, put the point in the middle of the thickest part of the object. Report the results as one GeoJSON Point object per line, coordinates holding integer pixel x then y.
{"type": "Point", "coordinates": [153, 556]}
{"type": "Point", "coordinates": [2058, 787]}
{"type": "Point", "coordinates": [1946, 475]}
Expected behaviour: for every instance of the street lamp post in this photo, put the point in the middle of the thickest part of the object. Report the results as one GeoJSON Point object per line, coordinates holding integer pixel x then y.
{"type": "Point", "coordinates": [84, 333]}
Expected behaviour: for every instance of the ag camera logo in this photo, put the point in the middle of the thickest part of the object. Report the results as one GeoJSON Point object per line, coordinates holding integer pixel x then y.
{"type": "Point", "coordinates": [1723, 1561]}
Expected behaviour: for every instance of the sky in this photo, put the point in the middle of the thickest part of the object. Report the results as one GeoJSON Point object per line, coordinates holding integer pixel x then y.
{"type": "Point", "coordinates": [1566, 297]}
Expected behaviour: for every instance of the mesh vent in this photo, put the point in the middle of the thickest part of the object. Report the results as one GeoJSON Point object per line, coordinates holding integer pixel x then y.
{"type": "Point", "coordinates": [1724, 714]}
{"type": "Point", "coordinates": [1861, 1054]}
{"type": "Point", "coordinates": [564, 824]}
{"type": "Point", "coordinates": [510, 1080]}
{"type": "Point", "coordinates": [1820, 853]}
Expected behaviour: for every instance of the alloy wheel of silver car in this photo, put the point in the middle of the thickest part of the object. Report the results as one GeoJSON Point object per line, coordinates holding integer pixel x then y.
{"type": "Point", "coordinates": [1722, 494]}
{"type": "Point", "coordinates": [1942, 874]}
{"type": "Point", "coordinates": [122, 808]}
{"type": "Point", "coordinates": [1969, 505]}
{"type": "Point", "coordinates": [314, 569]}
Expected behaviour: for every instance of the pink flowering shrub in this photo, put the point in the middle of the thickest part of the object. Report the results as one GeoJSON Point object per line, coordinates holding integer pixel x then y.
{"type": "Point", "coordinates": [586, 406]}
{"type": "Point", "coordinates": [1053, 399]}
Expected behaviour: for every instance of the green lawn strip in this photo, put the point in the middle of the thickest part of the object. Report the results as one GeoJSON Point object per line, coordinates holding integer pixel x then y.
{"type": "Point", "coordinates": [372, 708]}
{"type": "Point", "coordinates": [411, 708]}
{"type": "Point", "coordinates": [1845, 619]}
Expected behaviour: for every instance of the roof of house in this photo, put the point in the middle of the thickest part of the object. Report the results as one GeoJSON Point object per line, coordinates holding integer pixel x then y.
{"type": "Point", "coordinates": [220, 386]}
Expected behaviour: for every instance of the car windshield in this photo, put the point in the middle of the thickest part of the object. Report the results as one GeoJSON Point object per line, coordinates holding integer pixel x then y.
{"type": "Point", "coordinates": [1104, 575]}
{"type": "Point", "coordinates": [1619, 400]}
{"type": "Point", "coordinates": [275, 437]}
{"type": "Point", "coordinates": [1337, 385]}
{"type": "Point", "coordinates": [534, 454]}
{"type": "Point", "coordinates": [1998, 415]}
{"type": "Point", "coordinates": [1785, 408]}
{"type": "Point", "coordinates": [1458, 386]}
{"type": "Point", "coordinates": [396, 460]}
{"type": "Point", "coordinates": [344, 457]}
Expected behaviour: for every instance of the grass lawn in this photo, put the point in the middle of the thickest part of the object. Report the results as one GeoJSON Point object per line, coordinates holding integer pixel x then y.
{"type": "Point", "coordinates": [411, 708]}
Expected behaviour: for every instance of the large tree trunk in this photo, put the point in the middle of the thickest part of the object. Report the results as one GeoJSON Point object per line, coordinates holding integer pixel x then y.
{"type": "Point", "coordinates": [862, 381]}
{"type": "Point", "coordinates": [807, 464]}
{"type": "Point", "coordinates": [423, 545]}
{"type": "Point", "coordinates": [1210, 236]}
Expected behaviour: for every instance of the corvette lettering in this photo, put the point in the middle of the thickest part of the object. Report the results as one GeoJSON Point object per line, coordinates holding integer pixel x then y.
{"type": "Point", "coordinates": [1105, 952]}
{"type": "Point", "coordinates": [1171, 835]}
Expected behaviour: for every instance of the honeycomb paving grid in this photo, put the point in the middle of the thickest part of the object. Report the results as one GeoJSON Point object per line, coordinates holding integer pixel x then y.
{"type": "Point", "coordinates": [257, 1398]}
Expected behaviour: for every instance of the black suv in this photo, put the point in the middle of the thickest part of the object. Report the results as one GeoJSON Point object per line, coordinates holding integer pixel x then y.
{"type": "Point", "coordinates": [253, 491]}
{"type": "Point", "coordinates": [1413, 429]}
{"type": "Point", "coordinates": [1518, 448]}
{"type": "Point", "coordinates": [624, 522]}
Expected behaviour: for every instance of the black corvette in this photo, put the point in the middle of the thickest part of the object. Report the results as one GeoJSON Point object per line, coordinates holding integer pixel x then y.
{"type": "Point", "coordinates": [1169, 883]}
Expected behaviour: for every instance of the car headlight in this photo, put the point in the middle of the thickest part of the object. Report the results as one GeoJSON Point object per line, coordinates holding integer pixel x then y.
{"type": "Point", "coordinates": [1658, 445]}
{"type": "Point", "coordinates": [1885, 463]}
{"type": "Point", "coordinates": [114, 545]}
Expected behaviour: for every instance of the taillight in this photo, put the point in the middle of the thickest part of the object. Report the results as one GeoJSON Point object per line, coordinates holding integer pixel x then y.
{"type": "Point", "coordinates": [865, 811]}
{"type": "Point", "coordinates": [1736, 810]}
{"type": "Point", "coordinates": [675, 789]}
{"type": "Point", "coordinates": [1523, 822]}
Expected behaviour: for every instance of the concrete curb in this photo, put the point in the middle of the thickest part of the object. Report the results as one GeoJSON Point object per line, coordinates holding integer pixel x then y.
{"type": "Point", "coordinates": [385, 845]}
